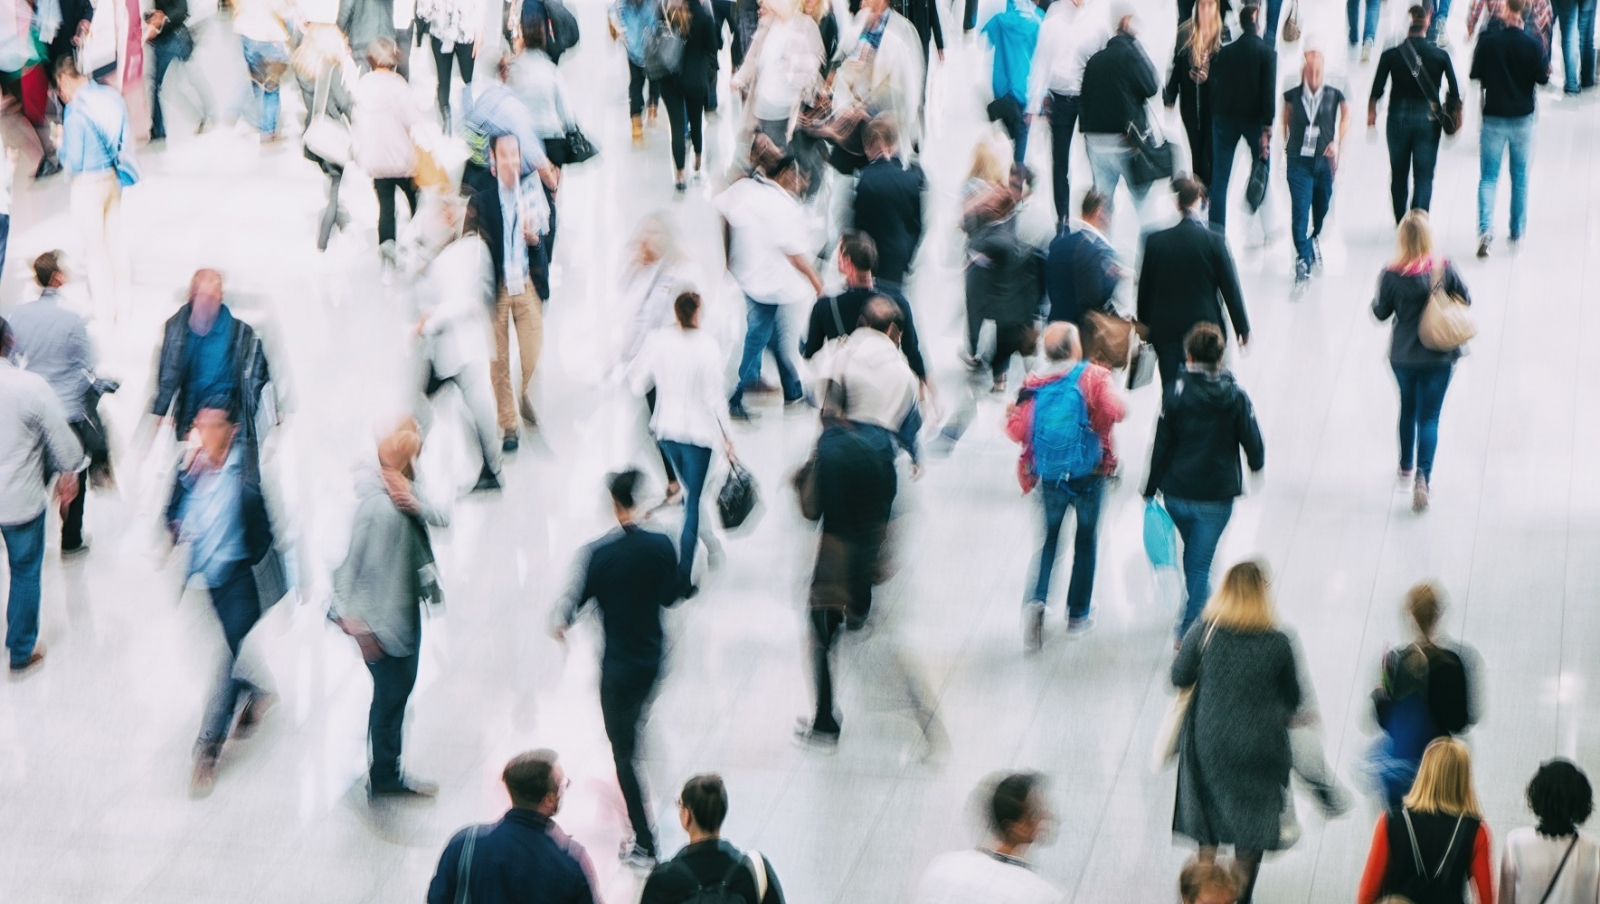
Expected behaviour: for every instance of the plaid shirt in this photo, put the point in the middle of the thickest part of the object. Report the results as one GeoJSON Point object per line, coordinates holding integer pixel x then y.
{"type": "Point", "coordinates": [1536, 16]}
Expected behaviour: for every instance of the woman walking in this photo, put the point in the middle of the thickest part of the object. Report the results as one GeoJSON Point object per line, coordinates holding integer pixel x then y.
{"type": "Point", "coordinates": [1233, 750]}
{"type": "Point", "coordinates": [321, 65]}
{"type": "Point", "coordinates": [533, 78]}
{"type": "Point", "coordinates": [1422, 373]}
{"type": "Point", "coordinates": [1189, 85]}
{"type": "Point", "coordinates": [1430, 848]}
{"type": "Point", "coordinates": [656, 278]}
{"type": "Point", "coordinates": [684, 92]}
{"type": "Point", "coordinates": [1553, 863]}
{"type": "Point", "coordinates": [380, 126]}
{"type": "Point", "coordinates": [781, 71]}
{"type": "Point", "coordinates": [456, 28]}
{"type": "Point", "coordinates": [265, 42]}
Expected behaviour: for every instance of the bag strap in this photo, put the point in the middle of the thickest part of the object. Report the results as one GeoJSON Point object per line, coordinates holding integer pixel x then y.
{"type": "Point", "coordinates": [1414, 64]}
{"type": "Point", "coordinates": [464, 866]}
{"type": "Point", "coordinates": [758, 868]}
{"type": "Point", "coordinates": [319, 96]}
{"type": "Point", "coordinates": [1559, 868]}
{"type": "Point", "coordinates": [1416, 850]}
{"type": "Point", "coordinates": [838, 322]}
{"type": "Point", "coordinates": [1438, 274]}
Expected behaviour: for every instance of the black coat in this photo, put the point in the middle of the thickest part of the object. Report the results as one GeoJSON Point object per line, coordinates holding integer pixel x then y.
{"type": "Point", "coordinates": [1116, 83]}
{"type": "Point", "coordinates": [888, 207]}
{"type": "Point", "coordinates": [1005, 279]}
{"type": "Point", "coordinates": [1244, 80]}
{"type": "Point", "coordinates": [693, 77]}
{"type": "Point", "coordinates": [1405, 298]}
{"type": "Point", "coordinates": [1185, 269]}
{"type": "Point", "coordinates": [484, 209]}
{"type": "Point", "coordinates": [1080, 275]}
{"type": "Point", "coordinates": [850, 303]}
{"type": "Point", "coordinates": [1206, 420]}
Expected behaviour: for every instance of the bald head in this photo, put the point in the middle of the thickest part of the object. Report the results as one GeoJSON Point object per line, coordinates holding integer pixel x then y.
{"type": "Point", "coordinates": [399, 449]}
{"type": "Point", "coordinates": [1061, 342]}
{"type": "Point", "coordinates": [881, 314]}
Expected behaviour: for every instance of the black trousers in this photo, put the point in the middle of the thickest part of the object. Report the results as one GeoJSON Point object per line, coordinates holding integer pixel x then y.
{"type": "Point", "coordinates": [685, 108]}
{"type": "Point", "coordinates": [393, 677]}
{"type": "Point", "coordinates": [385, 187]}
{"type": "Point", "coordinates": [1169, 360]}
{"type": "Point", "coordinates": [462, 53]}
{"type": "Point", "coordinates": [724, 14]}
{"type": "Point", "coordinates": [825, 625]}
{"type": "Point", "coordinates": [1063, 120]}
{"type": "Point", "coordinates": [72, 521]}
{"type": "Point", "coordinates": [636, 90]}
{"type": "Point", "coordinates": [622, 707]}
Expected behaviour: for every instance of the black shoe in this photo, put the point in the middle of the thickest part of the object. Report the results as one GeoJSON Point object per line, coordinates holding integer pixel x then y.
{"type": "Point", "coordinates": [48, 167]}
{"type": "Point", "coordinates": [405, 788]}
{"type": "Point", "coordinates": [509, 444]}
{"type": "Point", "coordinates": [487, 482]}
{"type": "Point", "coordinates": [807, 736]}
{"type": "Point", "coordinates": [740, 413]}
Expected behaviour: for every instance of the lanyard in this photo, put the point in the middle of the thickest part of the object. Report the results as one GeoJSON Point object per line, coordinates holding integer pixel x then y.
{"type": "Point", "coordinates": [1312, 103]}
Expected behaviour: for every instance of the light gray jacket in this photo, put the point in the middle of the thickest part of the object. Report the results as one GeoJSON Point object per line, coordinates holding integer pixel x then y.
{"type": "Point", "coordinates": [35, 444]}
{"type": "Point", "coordinates": [381, 580]}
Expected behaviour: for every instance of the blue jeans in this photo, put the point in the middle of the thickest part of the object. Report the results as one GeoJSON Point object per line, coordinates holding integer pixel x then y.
{"type": "Point", "coordinates": [689, 463]}
{"type": "Point", "coordinates": [1421, 399]}
{"type": "Point", "coordinates": [5, 238]}
{"type": "Point", "coordinates": [166, 51]}
{"type": "Point", "coordinates": [1269, 28]}
{"type": "Point", "coordinates": [1586, 10]}
{"type": "Point", "coordinates": [256, 55]}
{"type": "Point", "coordinates": [393, 678]}
{"type": "Point", "coordinates": [25, 555]}
{"type": "Point", "coordinates": [1200, 525]}
{"type": "Point", "coordinates": [1567, 20]}
{"type": "Point", "coordinates": [1441, 15]}
{"type": "Point", "coordinates": [1499, 133]}
{"type": "Point", "coordinates": [238, 607]}
{"type": "Point", "coordinates": [1310, 190]}
{"type": "Point", "coordinates": [1081, 494]}
{"type": "Point", "coordinates": [1225, 136]}
{"type": "Point", "coordinates": [764, 329]}
{"type": "Point", "coordinates": [1413, 151]}
{"type": "Point", "coordinates": [1352, 11]}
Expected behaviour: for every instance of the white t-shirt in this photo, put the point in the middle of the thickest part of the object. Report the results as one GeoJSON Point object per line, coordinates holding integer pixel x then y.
{"type": "Point", "coordinates": [776, 93]}
{"type": "Point", "coordinates": [1530, 859]}
{"type": "Point", "coordinates": [767, 225]}
{"type": "Point", "coordinates": [975, 877]}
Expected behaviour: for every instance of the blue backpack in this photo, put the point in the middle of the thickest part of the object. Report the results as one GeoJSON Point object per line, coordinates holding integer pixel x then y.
{"type": "Point", "coordinates": [1064, 444]}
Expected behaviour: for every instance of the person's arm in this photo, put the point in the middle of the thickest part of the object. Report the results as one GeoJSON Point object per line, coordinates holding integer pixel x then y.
{"type": "Point", "coordinates": [1148, 82]}
{"type": "Point", "coordinates": [1144, 302]}
{"type": "Point", "coordinates": [1286, 114]}
{"type": "Point", "coordinates": [1232, 296]}
{"type": "Point", "coordinates": [442, 890]}
{"type": "Point", "coordinates": [1044, 55]}
{"type": "Point", "coordinates": [803, 264]}
{"type": "Point", "coordinates": [727, 244]}
{"type": "Point", "coordinates": [1186, 665]}
{"type": "Point", "coordinates": [576, 597]}
{"type": "Point", "coordinates": [1482, 876]}
{"type": "Point", "coordinates": [640, 375]}
{"type": "Point", "coordinates": [346, 16]}
{"type": "Point", "coordinates": [1160, 450]}
{"type": "Point", "coordinates": [1269, 88]}
{"type": "Point", "coordinates": [1474, 12]}
{"type": "Point", "coordinates": [915, 220]}
{"type": "Point", "coordinates": [1289, 688]}
{"type": "Point", "coordinates": [1169, 94]}
{"type": "Point", "coordinates": [1379, 80]}
{"type": "Point", "coordinates": [1382, 302]}
{"type": "Point", "coordinates": [938, 30]}
{"type": "Point", "coordinates": [1344, 130]}
{"type": "Point", "coordinates": [1107, 407]}
{"type": "Point", "coordinates": [1377, 863]}
{"type": "Point", "coordinates": [1455, 285]}
{"type": "Point", "coordinates": [911, 347]}
{"type": "Point", "coordinates": [815, 329]}
{"type": "Point", "coordinates": [62, 449]}
{"type": "Point", "coordinates": [1249, 430]}
{"type": "Point", "coordinates": [74, 136]}
{"type": "Point", "coordinates": [1540, 66]}
{"type": "Point", "coordinates": [1019, 418]}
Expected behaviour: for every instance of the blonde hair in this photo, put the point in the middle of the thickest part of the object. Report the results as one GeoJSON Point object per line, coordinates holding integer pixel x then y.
{"type": "Point", "coordinates": [1244, 601]}
{"type": "Point", "coordinates": [818, 11]}
{"type": "Point", "coordinates": [986, 165]}
{"type": "Point", "coordinates": [322, 43]}
{"type": "Point", "coordinates": [1444, 781]}
{"type": "Point", "coordinates": [1424, 603]}
{"type": "Point", "coordinates": [1415, 238]}
{"type": "Point", "coordinates": [1203, 33]}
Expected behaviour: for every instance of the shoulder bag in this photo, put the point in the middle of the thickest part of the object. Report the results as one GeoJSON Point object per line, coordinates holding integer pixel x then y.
{"type": "Point", "coordinates": [573, 147]}
{"type": "Point", "coordinates": [1559, 867]}
{"type": "Point", "coordinates": [663, 47]}
{"type": "Point", "coordinates": [325, 136]}
{"type": "Point", "coordinates": [1166, 749]}
{"type": "Point", "coordinates": [1151, 156]}
{"type": "Point", "coordinates": [1447, 116]}
{"type": "Point", "coordinates": [122, 161]}
{"type": "Point", "coordinates": [1291, 24]}
{"type": "Point", "coordinates": [1446, 322]}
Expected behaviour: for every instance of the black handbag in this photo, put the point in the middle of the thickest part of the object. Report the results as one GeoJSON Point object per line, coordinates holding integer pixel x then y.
{"type": "Point", "coordinates": [1149, 160]}
{"type": "Point", "coordinates": [1142, 366]}
{"type": "Point", "coordinates": [738, 496]}
{"type": "Point", "coordinates": [574, 147]}
{"type": "Point", "coordinates": [1256, 191]}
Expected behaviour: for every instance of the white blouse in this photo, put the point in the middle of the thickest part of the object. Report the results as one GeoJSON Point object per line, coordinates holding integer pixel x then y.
{"type": "Point", "coordinates": [1530, 860]}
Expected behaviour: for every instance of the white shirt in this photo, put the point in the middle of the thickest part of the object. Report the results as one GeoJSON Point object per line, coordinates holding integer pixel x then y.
{"type": "Point", "coordinates": [1069, 36]}
{"type": "Point", "coordinates": [975, 877]}
{"type": "Point", "coordinates": [767, 226]}
{"type": "Point", "coordinates": [1530, 859]}
{"type": "Point", "coordinates": [686, 368]}
{"type": "Point", "coordinates": [460, 288]}
{"type": "Point", "coordinates": [776, 92]}
{"type": "Point", "coordinates": [879, 387]}
{"type": "Point", "coordinates": [651, 292]}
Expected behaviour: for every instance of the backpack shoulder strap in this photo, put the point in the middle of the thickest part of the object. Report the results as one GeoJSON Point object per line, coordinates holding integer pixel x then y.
{"type": "Point", "coordinates": [838, 322]}
{"type": "Point", "coordinates": [758, 868]}
{"type": "Point", "coordinates": [1416, 849]}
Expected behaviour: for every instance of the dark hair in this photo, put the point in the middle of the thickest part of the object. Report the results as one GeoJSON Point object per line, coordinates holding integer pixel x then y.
{"type": "Point", "coordinates": [530, 777]}
{"type": "Point", "coordinates": [860, 250]}
{"type": "Point", "coordinates": [1094, 201]}
{"type": "Point", "coordinates": [684, 307]}
{"type": "Point", "coordinates": [882, 131]}
{"type": "Point", "coordinates": [1560, 796]}
{"type": "Point", "coordinates": [1190, 191]}
{"type": "Point", "coordinates": [46, 266]}
{"type": "Point", "coordinates": [383, 53]}
{"type": "Point", "coordinates": [533, 27]}
{"type": "Point", "coordinates": [1204, 344]}
{"type": "Point", "coordinates": [222, 402]}
{"type": "Point", "coordinates": [1248, 17]}
{"type": "Point", "coordinates": [1419, 18]}
{"type": "Point", "coordinates": [1199, 875]}
{"type": "Point", "coordinates": [706, 799]}
{"type": "Point", "coordinates": [880, 313]}
{"type": "Point", "coordinates": [624, 487]}
{"type": "Point", "coordinates": [1516, 6]}
{"type": "Point", "coordinates": [5, 337]}
{"type": "Point", "coordinates": [1011, 800]}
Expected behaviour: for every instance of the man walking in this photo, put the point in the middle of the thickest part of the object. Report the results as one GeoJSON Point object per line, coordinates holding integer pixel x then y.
{"type": "Point", "coordinates": [1316, 118]}
{"type": "Point", "coordinates": [53, 342]}
{"type": "Point", "coordinates": [35, 442]}
{"type": "Point", "coordinates": [888, 204]}
{"type": "Point", "coordinates": [94, 132]}
{"type": "Point", "coordinates": [1185, 270]}
{"type": "Point", "coordinates": [1117, 82]}
{"type": "Point", "coordinates": [525, 858]}
{"type": "Point", "coordinates": [857, 256]}
{"type": "Point", "coordinates": [1081, 270]}
{"type": "Point", "coordinates": [631, 574]}
{"type": "Point", "coordinates": [1071, 33]}
{"type": "Point", "coordinates": [1244, 78]}
{"type": "Point", "coordinates": [997, 872]}
{"type": "Point", "coordinates": [1416, 67]}
{"type": "Point", "coordinates": [707, 859]}
{"type": "Point", "coordinates": [1508, 64]}
{"type": "Point", "coordinates": [1063, 418]}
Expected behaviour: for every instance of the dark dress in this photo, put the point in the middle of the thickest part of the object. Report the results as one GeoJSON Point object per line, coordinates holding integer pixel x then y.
{"type": "Point", "coordinates": [1190, 88]}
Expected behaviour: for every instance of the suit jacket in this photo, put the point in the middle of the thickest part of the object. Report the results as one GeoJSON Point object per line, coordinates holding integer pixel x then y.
{"type": "Point", "coordinates": [1185, 269]}
{"type": "Point", "coordinates": [888, 207]}
{"type": "Point", "coordinates": [1244, 80]}
{"type": "Point", "coordinates": [1080, 275]}
{"type": "Point", "coordinates": [484, 208]}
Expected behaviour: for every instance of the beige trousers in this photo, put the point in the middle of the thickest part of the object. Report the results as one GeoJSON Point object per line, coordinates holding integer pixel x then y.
{"type": "Point", "coordinates": [525, 312]}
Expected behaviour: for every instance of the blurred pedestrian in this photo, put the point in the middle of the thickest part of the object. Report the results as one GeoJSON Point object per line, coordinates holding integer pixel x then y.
{"type": "Point", "coordinates": [708, 862]}
{"type": "Point", "coordinates": [1411, 128]}
{"type": "Point", "coordinates": [53, 342]}
{"type": "Point", "coordinates": [365, 21]}
{"type": "Point", "coordinates": [217, 510]}
{"type": "Point", "coordinates": [630, 574]}
{"type": "Point", "coordinates": [630, 22]}
{"type": "Point", "coordinates": [1206, 422]}
{"type": "Point", "coordinates": [94, 137]}
{"type": "Point", "coordinates": [455, 28]}
{"type": "Point", "coordinates": [1438, 841]}
{"type": "Point", "coordinates": [525, 858]}
{"type": "Point", "coordinates": [782, 71]}
{"type": "Point", "coordinates": [881, 71]}
{"type": "Point", "coordinates": [1004, 277]}
{"type": "Point", "coordinates": [1233, 750]}
{"type": "Point", "coordinates": [35, 443]}
{"type": "Point", "coordinates": [658, 274]}
{"type": "Point", "coordinates": [323, 69]}
{"type": "Point", "coordinates": [1018, 816]}
{"type": "Point", "coordinates": [1363, 34]}
{"type": "Point", "coordinates": [889, 198]}
{"type": "Point", "coordinates": [1082, 273]}
{"type": "Point", "coordinates": [264, 38]}
{"type": "Point", "coordinates": [1508, 64]}
{"type": "Point", "coordinates": [1117, 82]}
{"type": "Point", "coordinates": [1316, 118]}
{"type": "Point", "coordinates": [683, 92]}
{"type": "Point", "coordinates": [491, 109]}
{"type": "Point", "coordinates": [1244, 85]}
{"type": "Point", "coordinates": [1063, 418]}
{"type": "Point", "coordinates": [1422, 373]}
{"type": "Point", "coordinates": [1072, 31]}
{"type": "Point", "coordinates": [534, 80]}
{"type": "Point", "coordinates": [1541, 864]}
{"type": "Point", "coordinates": [166, 27]}
{"type": "Point", "coordinates": [857, 256]}
{"type": "Point", "coordinates": [1187, 278]}
{"type": "Point", "coordinates": [382, 116]}
{"type": "Point", "coordinates": [1205, 882]}
{"type": "Point", "coordinates": [1189, 84]}
{"type": "Point", "coordinates": [1012, 35]}
{"type": "Point", "coordinates": [378, 592]}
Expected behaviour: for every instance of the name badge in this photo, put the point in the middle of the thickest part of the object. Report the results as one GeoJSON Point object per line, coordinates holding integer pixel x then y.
{"type": "Point", "coordinates": [1308, 148]}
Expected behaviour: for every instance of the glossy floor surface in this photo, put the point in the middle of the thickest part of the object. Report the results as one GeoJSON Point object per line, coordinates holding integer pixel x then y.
{"type": "Point", "coordinates": [94, 749]}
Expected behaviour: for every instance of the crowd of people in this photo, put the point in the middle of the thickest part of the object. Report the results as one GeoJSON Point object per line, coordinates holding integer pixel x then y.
{"type": "Point", "coordinates": [830, 125]}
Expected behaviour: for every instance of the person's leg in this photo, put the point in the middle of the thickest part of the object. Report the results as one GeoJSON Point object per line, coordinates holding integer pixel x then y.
{"type": "Point", "coordinates": [473, 382]}
{"type": "Point", "coordinates": [276, 53]}
{"type": "Point", "coordinates": [1200, 525]}
{"type": "Point", "coordinates": [1424, 156]}
{"type": "Point", "coordinates": [1352, 13]}
{"type": "Point", "coordinates": [1519, 138]}
{"type": "Point", "coordinates": [635, 90]}
{"type": "Point", "coordinates": [1225, 135]}
{"type": "Point", "coordinates": [1269, 33]}
{"type": "Point", "coordinates": [500, 368]}
{"type": "Point", "coordinates": [1431, 386]}
{"type": "Point", "coordinates": [465, 60]}
{"type": "Point", "coordinates": [1567, 18]}
{"type": "Point", "coordinates": [1299, 171]}
{"type": "Point", "coordinates": [782, 348]}
{"type": "Point", "coordinates": [90, 195]}
{"type": "Point", "coordinates": [1105, 165]}
{"type": "Point", "coordinates": [690, 463]}
{"type": "Point", "coordinates": [441, 69]}
{"type": "Point", "coordinates": [72, 518]}
{"type": "Point", "coordinates": [165, 53]}
{"type": "Point", "coordinates": [1246, 863]}
{"type": "Point", "coordinates": [403, 39]}
{"type": "Point", "coordinates": [385, 190]}
{"type": "Point", "coordinates": [1406, 379]}
{"type": "Point", "coordinates": [25, 557]}
{"type": "Point", "coordinates": [1491, 148]}
{"type": "Point", "coordinates": [1086, 501]}
{"type": "Point", "coordinates": [1441, 18]}
{"type": "Point", "coordinates": [694, 106]}
{"type": "Point", "coordinates": [622, 710]}
{"type": "Point", "coordinates": [1586, 11]}
{"type": "Point", "coordinates": [1374, 11]}
{"type": "Point", "coordinates": [1061, 125]}
{"type": "Point", "coordinates": [330, 215]}
{"type": "Point", "coordinates": [528, 315]}
{"type": "Point", "coordinates": [1321, 195]}
{"type": "Point", "coordinates": [393, 677]}
{"type": "Point", "coordinates": [1007, 341]}
{"type": "Point", "coordinates": [758, 329]}
{"type": "Point", "coordinates": [825, 625]}
{"type": "Point", "coordinates": [673, 100]}
{"type": "Point", "coordinates": [1400, 138]}
{"type": "Point", "coordinates": [238, 607]}
{"type": "Point", "coordinates": [1053, 501]}
{"type": "Point", "coordinates": [1169, 361]}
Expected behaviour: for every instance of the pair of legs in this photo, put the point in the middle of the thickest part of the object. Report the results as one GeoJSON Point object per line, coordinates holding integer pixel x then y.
{"type": "Point", "coordinates": [1413, 150]}
{"type": "Point", "coordinates": [168, 50]}
{"type": "Point", "coordinates": [25, 556]}
{"type": "Point", "coordinates": [267, 61]}
{"type": "Point", "coordinates": [1310, 191]}
{"type": "Point", "coordinates": [1108, 162]}
{"type": "Point", "coordinates": [1082, 495]}
{"type": "Point", "coordinates": [393, 677]}
{"type": "Point", "coordinates": [1063, 120]}
{"type": "Point", "coordinates": [622, 708]}
{"type": "Point", "coordinates": [525, 312]}
{"type": "Point", "coordinates": [1441, 17]}
{"type": "Point", "coordinates": [723, 11]}
{"type": "Point", "coordinates": [386, 187]}
{"type": "Point", "coordinates": [330, 213]}
{"type": "Point", "coordinates": [1246, 864]}
{"type": "Point", "coordinates": [97, 213]}
{"type": "Point", "coordinates": [689, 465]}
{"type": "Point", "coordinates": [1009, 339]}
{"type": "Point", "coordinates": [1498, 134]}
{"type": "Point", "coordinates": [685, 106]}
{"type": "Point", "coordinates": [1197, 125]}
{"type": "Point", "coordinates": [841, 593]}
{"type": "Point", "coordinates": [636, 90]}
{"type": "Point", "coordinates": [1225, 137]}
{"type": "Point", "coordinates": [472, 381]}
{"type": "Point", "coordinates": [238, 608]}
{"type": "Point", "coordinates": [1421, 399]}
{"type": "Point", "coordinates": [462, 55]}
{"type": "Point", "coordinates": [1200, 524]}
{"type": "Point", "coordinates": [765, 330]}
{"type": "Point", "coordinates": [1367, 34]}
{"type": "Point", "coordinates": [1586, 10]}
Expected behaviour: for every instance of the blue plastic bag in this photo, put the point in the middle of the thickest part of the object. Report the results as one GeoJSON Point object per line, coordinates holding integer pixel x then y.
{"type": "Point", "coordinates": [1160, 536]}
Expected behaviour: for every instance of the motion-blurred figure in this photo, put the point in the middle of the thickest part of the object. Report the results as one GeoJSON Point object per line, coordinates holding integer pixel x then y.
{"type": "Point", "coordinates": [1316, 118]}
{"type": "Point", "coordinates": [217, 510]}
{"type": "Point", "coordinates": [997, 872]}
{"type": "Point", "coordinates": [1003, 276]}
{"type": "Point", "coordinates": [525, 858]}
{"type": "Point", "coordinates": [171, 41]}
{"type": "Point", "coordinates": [631, 574]}
{"type": "Point", "coordinates": [1117, 82]}
{"type": "Point", "coordinates": [658, 274]}
{"type": "Point", "coordinates": [1082, 274]}
{"type": "Point", "coordinates": [325, 72]}
{"type": "Point", "coordinates": [94, 132]}
{"type": "Point", "coordinates": [490, 109]}
{"type": "Point", "coordinates": [1207, 882]}
{"type": "Point", "coordinates": [382, 116]}
{"type": "Point", "coordinates": [1071, 33]}
{"type": "Point", "coordinates": [708, 862]}
{"type": "Point", "coordinates": [35, 442]}
{"type": "Point", "coordinates": [888, 204]}
{"type": "Point", "coordinates": [378, 593]}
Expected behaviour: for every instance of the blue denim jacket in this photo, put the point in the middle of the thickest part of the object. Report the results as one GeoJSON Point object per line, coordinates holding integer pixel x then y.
{"type": "Point", "coordinates": [93, 128]}
{"type": "Point", "coordinates": [635, 19]}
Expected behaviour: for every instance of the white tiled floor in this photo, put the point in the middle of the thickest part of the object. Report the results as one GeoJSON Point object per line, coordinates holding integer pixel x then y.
{"type": "Point", "coordinates": [94, 749]}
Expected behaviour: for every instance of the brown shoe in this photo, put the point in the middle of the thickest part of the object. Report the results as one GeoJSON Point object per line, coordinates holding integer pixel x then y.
{"type": "Point", "coordinates": [32, 665]}
{"type": "Point", "coordinates": [1419, 495]}
{"type": "Point", "coordinates": [250, 717]}
{"type": "Point", "coordinates": [638, 132]}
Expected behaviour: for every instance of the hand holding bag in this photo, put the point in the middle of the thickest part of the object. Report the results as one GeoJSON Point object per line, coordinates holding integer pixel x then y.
{"type": "Point", "coordinates": [1166, 749]}
{"type": "Point", "coordinates": [1446, 323]}
{"type": "Point", "coordinates": [1151, 154]}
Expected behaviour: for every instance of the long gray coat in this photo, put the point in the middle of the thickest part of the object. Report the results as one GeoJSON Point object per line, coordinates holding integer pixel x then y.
{"type": "Point", "coordinates": [380, 580]}
{"type": "Point", "coordinates": [1233, 753]}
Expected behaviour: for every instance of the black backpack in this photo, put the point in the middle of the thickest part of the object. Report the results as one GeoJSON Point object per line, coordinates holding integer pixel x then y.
{"type": "Point", "coordinates": [721, 891]}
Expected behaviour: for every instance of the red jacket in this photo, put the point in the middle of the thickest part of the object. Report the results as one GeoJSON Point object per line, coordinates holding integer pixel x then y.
{"type": "Point", "coordinates": [1106, 408]}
